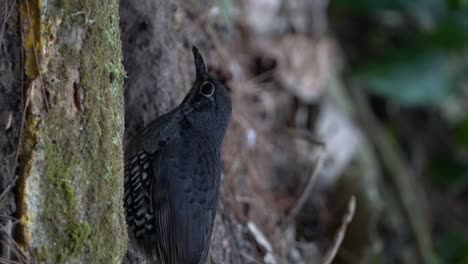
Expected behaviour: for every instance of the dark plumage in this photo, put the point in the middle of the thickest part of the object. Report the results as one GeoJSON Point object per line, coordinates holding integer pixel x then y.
{"type": "Point", "coordinates": [172, 175]}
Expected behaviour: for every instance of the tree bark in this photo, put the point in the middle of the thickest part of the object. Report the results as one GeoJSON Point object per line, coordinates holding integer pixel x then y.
{"type": "Point", "coordinates": [71, 176]}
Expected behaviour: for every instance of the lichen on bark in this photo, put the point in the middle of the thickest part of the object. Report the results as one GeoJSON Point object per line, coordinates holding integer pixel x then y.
{"type": "Point", "coordinates": [72, 177]}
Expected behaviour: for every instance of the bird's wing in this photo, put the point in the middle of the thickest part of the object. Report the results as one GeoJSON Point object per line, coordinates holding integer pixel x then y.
{"type": "Point", "coordinates": [170, 208]}
{"type": "Point", "coordinates": [140, 175]}
{"type": "Point", "coordinates": [184, 210]}
{"type": "Point", "coordinates": [137, 199]}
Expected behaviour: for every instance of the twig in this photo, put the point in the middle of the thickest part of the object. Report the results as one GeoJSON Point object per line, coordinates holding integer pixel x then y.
{"type": "Point", "coordinates": [340, 234]}
{"type": "Point", "coordinates": [308, 188]}
{"type": "Point", "coordinates": [261, 241]}
{"type": "Point", "coordinates": [259, 237]}
{"type": "Point", "coordinates": [22, 257]}
{"type": "Point", "coordinates": [4, 194]}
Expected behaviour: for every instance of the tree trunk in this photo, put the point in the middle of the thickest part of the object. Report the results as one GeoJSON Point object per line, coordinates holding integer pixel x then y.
{"type": "Point", "coordinates": [71, 176]}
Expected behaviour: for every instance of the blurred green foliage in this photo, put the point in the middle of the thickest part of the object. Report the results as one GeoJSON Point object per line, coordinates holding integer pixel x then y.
{"type": "Point", "coordinates": [453, 247]}
{"type": "Point", "coordinates": [449, 173]}
{"type": "Point", "coordinates": [461, 134]}
{"type": "Point", "coordinates": [415, 53]}
{"type": "Point", "coordinates": [369, 6]}
{"type": "Point", "coordinates": [425, 65]}
{"type": "Point", "coordinates": [423, 78]}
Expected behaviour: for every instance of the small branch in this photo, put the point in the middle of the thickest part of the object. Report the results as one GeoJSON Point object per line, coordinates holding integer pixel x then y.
{"type": "Point", "coordinates": [15, 248]}
{"type": "Point", "coordinates": [262, 242]}
{"type": "Point", "coordinates": [310, 183]}
{"type": "Point", "coordinates": [340, 234]}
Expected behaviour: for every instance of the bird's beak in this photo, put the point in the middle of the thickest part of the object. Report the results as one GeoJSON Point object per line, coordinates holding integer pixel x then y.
{"type": "Point", "coordinates": [200, 66]}
{"type": "Point", "coordinates": [201, 73]}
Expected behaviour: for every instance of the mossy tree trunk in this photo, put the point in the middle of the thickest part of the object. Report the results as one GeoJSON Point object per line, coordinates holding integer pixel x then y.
{"type": "Point", "coordinates": [71, 173]}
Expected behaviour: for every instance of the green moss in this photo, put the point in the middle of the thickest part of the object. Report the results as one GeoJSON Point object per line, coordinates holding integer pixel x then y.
{"type": "Point", "coordinates": [61, 212]}
{"type": "Point", "coordinates": [58, 178]}
{"type": "Point", "coordinates": [109, 175]}
{"type": "Point", "coordinates": [79, 233]}
{"type": "Point", "coordinates": [82, 185]}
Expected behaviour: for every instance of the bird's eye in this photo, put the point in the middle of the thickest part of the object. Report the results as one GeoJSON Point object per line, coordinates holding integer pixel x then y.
{"type": "Point", "coordinates": [207, 89]}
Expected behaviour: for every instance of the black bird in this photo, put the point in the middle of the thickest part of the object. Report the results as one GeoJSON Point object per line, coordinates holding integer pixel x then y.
{"type": "Point", "coordinates": [172, 175]}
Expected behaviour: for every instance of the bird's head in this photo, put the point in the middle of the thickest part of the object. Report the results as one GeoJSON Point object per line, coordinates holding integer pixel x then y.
{"type": "Point", "coordinates": [208, 103]}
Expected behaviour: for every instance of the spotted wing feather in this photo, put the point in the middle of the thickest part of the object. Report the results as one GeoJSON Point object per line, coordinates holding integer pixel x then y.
{"type": "Point", "coordinates": [139, 175]}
